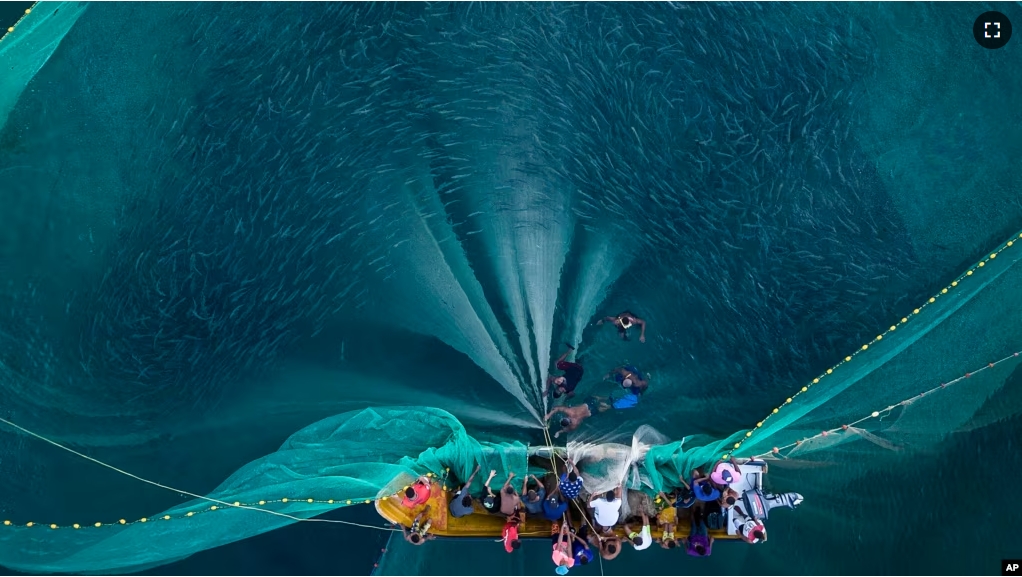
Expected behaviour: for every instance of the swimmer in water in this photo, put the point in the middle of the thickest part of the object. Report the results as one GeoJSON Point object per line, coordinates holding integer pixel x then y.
{"type": "Point", "coordinates": [634, 385]}
{"type": "Point", "coordinates": [565, 385]}
{"type": "Point", "coordinates": [625, 321]}
{"type": "Point", "coordinates": [573, 417]}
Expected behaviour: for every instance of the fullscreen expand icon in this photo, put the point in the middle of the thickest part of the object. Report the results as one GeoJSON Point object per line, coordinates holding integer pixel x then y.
{"type": "Point", "coordinates": [992, 30]}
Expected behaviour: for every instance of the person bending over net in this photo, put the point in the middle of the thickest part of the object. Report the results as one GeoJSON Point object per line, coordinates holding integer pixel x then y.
{"type": "Point", "coordinates": [461, 503]}
{"type": "Point", "coordinates": [565, 385]}
{"type": "Point", "coordinates": [625, 321]}
{"type": "Point", "coordinates": [419, 533]}
{"type": "Point", "coordinates": [686, 496]}
{"type": "Point", "coordinates": [418, 493]}
{"type": "Point", "coordinates": [703, 487]}
{"type": "Point", "coordinates": [573, 417]}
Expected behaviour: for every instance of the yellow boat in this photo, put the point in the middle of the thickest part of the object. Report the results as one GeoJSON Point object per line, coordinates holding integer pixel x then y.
{"type": "Point", "coordinates": [481, 524]}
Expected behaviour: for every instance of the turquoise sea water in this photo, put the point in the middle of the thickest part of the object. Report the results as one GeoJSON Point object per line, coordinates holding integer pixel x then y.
{"type": "Point", "coordinates": [221, 223]}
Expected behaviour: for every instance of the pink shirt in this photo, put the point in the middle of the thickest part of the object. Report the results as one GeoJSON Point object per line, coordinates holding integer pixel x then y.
{"type": "Point", "coordinates": [562, 556]}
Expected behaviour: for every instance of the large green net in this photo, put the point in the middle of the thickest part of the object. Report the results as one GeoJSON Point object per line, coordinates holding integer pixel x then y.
{"type": "Point", "coordinates": [186, 224]}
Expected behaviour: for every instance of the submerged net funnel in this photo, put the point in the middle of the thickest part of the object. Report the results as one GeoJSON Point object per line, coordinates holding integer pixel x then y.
{"type": "Point", "coordinates": [432, 289]}
{"type": "Point", "coordinates": [600, 265]}
{"type": "Point", "coordinates": [541, 252]}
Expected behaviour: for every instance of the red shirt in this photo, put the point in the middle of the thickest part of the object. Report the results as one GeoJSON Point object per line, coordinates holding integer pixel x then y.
{"type": "Point", "coordinates": [421, 495]}
{"type": "Point", "coordinates": [510, 534]}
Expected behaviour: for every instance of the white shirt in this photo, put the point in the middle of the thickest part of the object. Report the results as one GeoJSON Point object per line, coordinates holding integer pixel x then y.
{"type": "Point", "coordinates": [606, 512]}
{"type": "Point", "coordinates": [645, 537]}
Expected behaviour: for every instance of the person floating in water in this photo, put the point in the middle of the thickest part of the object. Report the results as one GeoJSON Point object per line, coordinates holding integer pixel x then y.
{"type": "Point", "coordinates": [623, 322]}
{"type": "Point", "coordinates": [573, 417]}
{"type": "Point", "coordinates": [631, 381]}
{"type": "Point", "coordinates": [565, 385]}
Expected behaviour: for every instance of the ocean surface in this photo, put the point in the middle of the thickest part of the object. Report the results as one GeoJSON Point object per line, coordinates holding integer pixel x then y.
{"type": "Point", "coordinates": [220, 223]}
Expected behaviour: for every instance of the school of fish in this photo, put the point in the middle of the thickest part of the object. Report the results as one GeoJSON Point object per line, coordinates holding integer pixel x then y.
{"type": "Point", "coordinates": [496, 176]}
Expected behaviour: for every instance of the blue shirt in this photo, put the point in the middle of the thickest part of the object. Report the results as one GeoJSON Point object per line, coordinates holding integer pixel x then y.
{"type": "Point", "coordinates": [554, 513]}
{"type": "Point", "coordinates": [713, 495]}
{"type": "Point", "coordinates": [579, 551]}
{"type": "Point", "coordinates": [569, 489]}
{"type": "Point", "coordinates": [535, 507]}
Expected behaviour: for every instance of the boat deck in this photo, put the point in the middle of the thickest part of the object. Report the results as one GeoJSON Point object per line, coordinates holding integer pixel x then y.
{"type": "Point", "coordinates": [483, 524]}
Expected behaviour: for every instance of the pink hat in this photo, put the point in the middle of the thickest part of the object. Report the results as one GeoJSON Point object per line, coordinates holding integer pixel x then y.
{"type": "Point", "coordinates": [725, 474]}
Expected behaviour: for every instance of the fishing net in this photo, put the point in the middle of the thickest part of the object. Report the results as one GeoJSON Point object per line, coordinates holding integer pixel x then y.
{"type": "Point", "coordinates": [237, 222]}
{"type": "Point", "coordinates": [353, 458]}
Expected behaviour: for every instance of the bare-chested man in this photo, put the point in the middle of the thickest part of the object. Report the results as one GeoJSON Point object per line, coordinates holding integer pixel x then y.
{"type": "Point", "coordinates": [573, 417]}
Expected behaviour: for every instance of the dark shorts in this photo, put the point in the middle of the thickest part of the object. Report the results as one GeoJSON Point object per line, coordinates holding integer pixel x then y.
{"type": "Point", "coordinates": [572, 375]}
{"type": "Point", "coordinates": [698, 528]}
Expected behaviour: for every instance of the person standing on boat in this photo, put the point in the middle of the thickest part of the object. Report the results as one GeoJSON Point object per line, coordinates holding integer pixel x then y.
{"type": "Point", "coordinates": [725, 473]}
{"type": "Point", "coordinates": [510, 535]}
{"type": "Point", "coordinates": [750, 529]}
{"type": "Point", "coordinates": [579, 548]}
{"type": "Point", "coordinates": [704, 488]}
{"type": "Point", "coordinates": [533, 499]}
{"type": "Point", "coordinates": [625, 321]}
{"type": "Point", "coordinates": [491, 501]}
{"type": "Point", "coordinates": [642, 538]}
{"type": "Point", "coordinates": [666, 520]}
{"type": "Point", "coordinates": [607, 508]}
{"type": "Point", "coordinates": [699, 543]}
{"type": "Point", "coordinates": [566, 383]}
{"type": "Point", "coordinates": [553, 506]}
{"type": "Point", "coordinates": [418, 493]}
{"type": "Point", "coordinates": [562, 548]}
{"type": "Point", "coordinates": [510, 501]}
{"type": "Point", "coordinates": [571, 481]}
{"type": "Point", "coordinates": [419, 533]}
{"type": "Point", "coordinates": [609, 546]}
{"type": "Point", "coordinates": [461, 504]}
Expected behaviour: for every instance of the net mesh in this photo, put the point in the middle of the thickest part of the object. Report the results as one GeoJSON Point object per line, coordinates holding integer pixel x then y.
{"type": "Point", "coordinates": [734, 335]}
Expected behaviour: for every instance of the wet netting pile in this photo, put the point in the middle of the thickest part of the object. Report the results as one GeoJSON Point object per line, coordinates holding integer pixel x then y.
{"type": "Point", "coordinates": [376, 224]}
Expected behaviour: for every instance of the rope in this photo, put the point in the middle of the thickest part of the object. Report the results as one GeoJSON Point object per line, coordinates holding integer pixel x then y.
{"type": "Point", "coordinates": [848, 359]}
{"type": "Point", "coordinates": [885, 412]}
{"type": "Point", "coordinates": [585, 518]}
{"type": "Point", "coordinates": [183, 492]}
